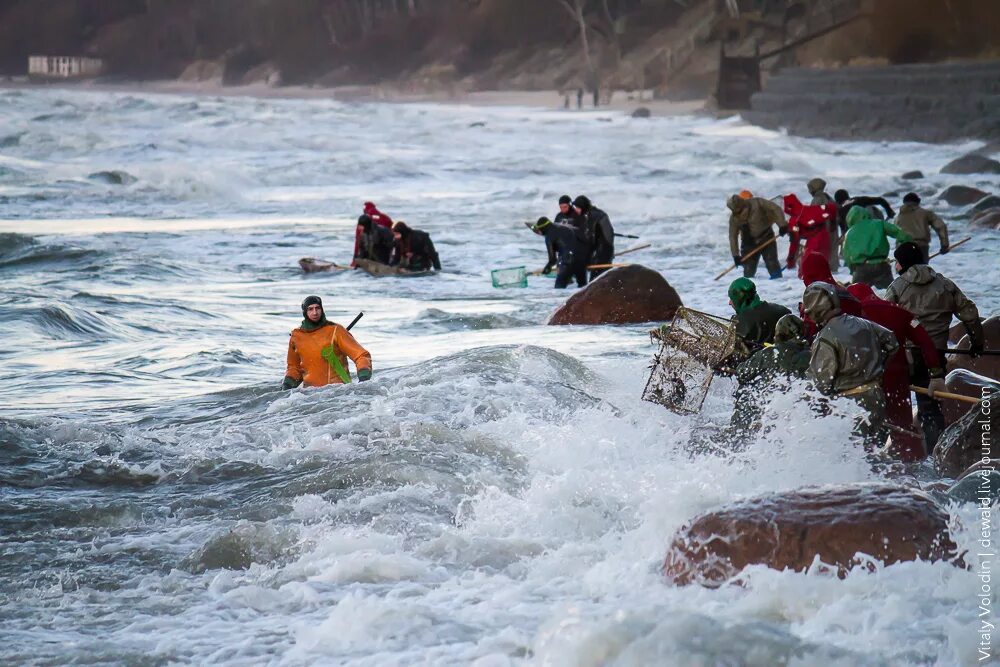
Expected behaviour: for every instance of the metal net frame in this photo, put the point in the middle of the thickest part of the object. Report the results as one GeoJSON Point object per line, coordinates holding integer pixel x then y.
{"type": "Point", "coordinates": [690, 348]}
{"type": "Point", "coordinates": [515, 276]}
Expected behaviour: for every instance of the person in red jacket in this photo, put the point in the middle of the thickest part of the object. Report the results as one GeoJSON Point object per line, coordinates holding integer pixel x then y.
{"type": "Point", "coordinates": [378, 217]}
{"type": "Point", "coordinates": [808, 226]}
{"type": "Point", "coordinates": [907, 444]}
{"type": "Point", "coordinates": [816, 268]}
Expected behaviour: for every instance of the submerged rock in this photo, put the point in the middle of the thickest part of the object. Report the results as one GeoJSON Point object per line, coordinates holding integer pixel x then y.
{"type": "Point", "coordinates": [973, 163]}
{"type": "Point", "coordinates": [911, 175]}
{"type": "Point", "coordinates": [968, 440]}
{"type": "Point", "coordinates": [790, 530]}
{"type": "Point", "coordinates": [987, 366]}
{"type": "Point", "coordinates": [984, 204]}
{"type": "Point", "coordinates": [962, 381]}
{"type": "Point", "coordinates": [113, 177]}
{"type": "Point", "coordinates": [961, 195]}
{"type": "Point", "coordinates": [980, 481]}
{"type": "Point", "coordinates": [988, 219]}
{"type": "Point", "coordinates": [626, 295]}
{"type": "Point", "coordinates": [642, 112]}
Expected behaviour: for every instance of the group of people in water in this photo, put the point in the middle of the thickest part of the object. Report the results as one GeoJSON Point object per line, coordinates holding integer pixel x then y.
{"type": "Point", "coordinates": [847, 340]}
{"type": "Point", "coordinates": [378, 239]}
{"type": "Point", "coordinates": [856, 227]}
{"type": "Point", "coordinates": [579, 239]}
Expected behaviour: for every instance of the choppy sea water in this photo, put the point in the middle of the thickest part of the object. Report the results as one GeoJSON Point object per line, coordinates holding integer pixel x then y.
{"type": "Point", "coordinates": [497, 494]}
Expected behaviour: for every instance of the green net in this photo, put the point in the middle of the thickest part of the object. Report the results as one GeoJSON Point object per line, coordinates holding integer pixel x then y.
{"type": "Point", "coordinates": [513, 277]}
{"type": "Point", "coordinates": [690, 348]}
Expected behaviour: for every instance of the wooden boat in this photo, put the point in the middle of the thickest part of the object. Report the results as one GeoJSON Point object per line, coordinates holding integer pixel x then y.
{"type": "Point", "coordinates": [378, 270]}
{"type": "Point", "coordinates": [372, 268]}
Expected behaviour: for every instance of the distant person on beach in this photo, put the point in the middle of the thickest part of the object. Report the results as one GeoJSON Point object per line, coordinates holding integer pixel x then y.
{"type": "Point", "coordinates": [375, 242]}
{"type": "Point", "coordinates": [414, 249]}
{"type": "Point", "coordinates": [932, 299]}
{"type": "Point", "coordinates": [866, 247]}
{"type": "Point", "coordinates": [379, 218]}
{"type": "Point", "coordinates": [917, 223]}
{"type": "Point", "coordinates": [845, 202]}
{"type": "Point", "coordinates": [318, 350]}
{"type": "Point", "coordinates": [565, 250]}
{"type": "Point", "coordinates": [600, 234]}
{"type": "Point", "coordinates": [750, 222]}
{"type": "Point", "coordinates": [817, 190]}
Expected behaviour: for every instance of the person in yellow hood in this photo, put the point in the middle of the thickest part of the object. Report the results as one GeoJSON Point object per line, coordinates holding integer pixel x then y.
{"type": "Point", "coordinates": [318, 351]}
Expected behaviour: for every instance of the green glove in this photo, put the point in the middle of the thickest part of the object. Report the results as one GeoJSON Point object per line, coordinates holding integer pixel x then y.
{"type": "Point", "coordinates": [364, 374]}
{"type": "Point", "coordinates": [290, 383]}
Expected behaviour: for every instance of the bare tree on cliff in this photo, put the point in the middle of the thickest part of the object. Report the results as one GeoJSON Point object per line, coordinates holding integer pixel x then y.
{"type": "Point", "coordinates": [601, 17]}
{"type": "Point", "coordinates": [577, 10]}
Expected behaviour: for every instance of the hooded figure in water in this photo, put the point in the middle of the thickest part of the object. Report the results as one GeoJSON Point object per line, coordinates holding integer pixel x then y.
{"type": "Point", "coordinates": [848, 358]}
{"type": "Point", "coordinates": [755, 319]}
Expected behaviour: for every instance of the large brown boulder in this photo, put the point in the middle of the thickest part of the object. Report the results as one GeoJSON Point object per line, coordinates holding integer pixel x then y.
{"type": "Point", "coordinates": [987, 366]}
{"type": "Point", "coordinates": [968, 440]}
{"type": "Point", "coordinates": [962, 195]}
{"type": "Point", "coordinates": [973, 163]}
{"type": "Point", "coordinates": [988, 219]}
{"type": "Point", "coordinates": [626, 295]}
{"type": "Point", "coordinates": [789, 530]}
{"type": "Point", "coordinates": [961, 381]}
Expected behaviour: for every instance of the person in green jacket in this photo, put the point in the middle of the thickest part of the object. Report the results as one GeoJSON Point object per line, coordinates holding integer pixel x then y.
{"type": "Point", "coordinates": [755, 319]}
{"type": "Point", "coordinates": [770, 370]}
{"type": "Point", "coordinates": [866, 247]}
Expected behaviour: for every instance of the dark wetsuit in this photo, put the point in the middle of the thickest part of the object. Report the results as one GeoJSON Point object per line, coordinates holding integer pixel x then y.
{"type": "Point", "coordinates": [567, 253]}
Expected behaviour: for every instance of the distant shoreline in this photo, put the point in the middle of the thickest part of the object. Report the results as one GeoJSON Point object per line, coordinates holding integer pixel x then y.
{"type": "Point", "coordinates": [541, 99]}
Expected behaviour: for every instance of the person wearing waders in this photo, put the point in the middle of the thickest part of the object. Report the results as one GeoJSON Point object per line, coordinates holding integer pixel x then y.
{"type": "Point", "coordinates": [907, 444]}
{"type": "Point", "coordinates": [566, 252]}
{"type": "Point", "coordinates": [845, 202]}
{"type": "Point", "coordinates": [318, 351]}
{"type": "Point", "coordinates": [917, 222]}
{"type": "Point", "coordinates": [376, 216]}
{"type": "Point", "coordinates": [755, 319]}
{"type": "Point", "coordinates": [848, 358]}
{"type": "Point", "coordinates": [866, 247]}
{"type": "Point", "coordinates": [414, 249]}
{"type": "Point", "coordinates": [375, 242]}
{"type": "Point", "coordinates": [816, 268]}
{"type": "Point", "coordinates": [600, 233]}
{"type": "Point", "coordinates": [932, 299]}
{"type": "Point", "coordinates": [750, 222]}
{"type": "Point", "coordinates": [817, 190]}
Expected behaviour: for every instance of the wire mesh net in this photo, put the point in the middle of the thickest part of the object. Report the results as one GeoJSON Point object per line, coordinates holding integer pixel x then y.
{"type": "Point", "coordinates": [690, 348]}
{"type": "Point", "coordinates": [513, 277]}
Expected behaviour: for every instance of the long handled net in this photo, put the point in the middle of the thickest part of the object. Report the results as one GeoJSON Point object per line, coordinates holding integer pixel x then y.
{"type": "Point", "coordinates": [690, 348]}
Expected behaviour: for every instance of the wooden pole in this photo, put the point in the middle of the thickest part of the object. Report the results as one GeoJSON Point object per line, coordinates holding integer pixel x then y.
{"type": "Point", "coordinates": [635, 249]}
{"type": "Point", "coordinates": [944, 394]}
{"type": "Point", "coordinates": [749, 255]}
{"type": "Point", "coordinates": [951, 247]}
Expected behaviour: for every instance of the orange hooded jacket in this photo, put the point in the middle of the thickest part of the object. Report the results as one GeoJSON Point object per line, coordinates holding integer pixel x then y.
{"type": "Point", "coordinates": [305, 354]}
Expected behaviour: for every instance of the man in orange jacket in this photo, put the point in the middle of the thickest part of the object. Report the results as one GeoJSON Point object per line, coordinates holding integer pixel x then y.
{"type": "Point", "coordinates": [318, 351]}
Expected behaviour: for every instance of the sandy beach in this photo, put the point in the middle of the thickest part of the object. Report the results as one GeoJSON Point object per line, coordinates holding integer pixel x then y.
{"type": "Point", "coordinates": [620, 101]}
